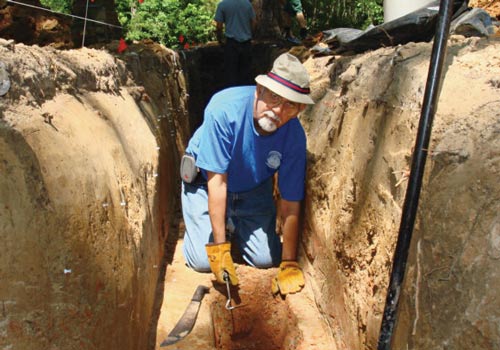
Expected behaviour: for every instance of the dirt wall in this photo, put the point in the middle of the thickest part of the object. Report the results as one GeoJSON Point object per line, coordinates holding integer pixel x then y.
{"type": "Point", "coordinates": [85, 208]}
{"type": "Point", "coordinates": [361, 133]}
{"type": "Point", "coordinates": [450, 299]}
{"type": "Point", "coordinates": [89, 148]}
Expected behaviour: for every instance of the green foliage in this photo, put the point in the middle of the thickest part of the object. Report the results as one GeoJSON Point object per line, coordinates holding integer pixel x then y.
{"type": "Point", "coordinates": [371, 11]}
{"type": "Point", "coordinates": [329, 14]}
{"type": "Point", "coordinates": [166, 21]}
{"type": "Point", "coordinates": [63, 6]}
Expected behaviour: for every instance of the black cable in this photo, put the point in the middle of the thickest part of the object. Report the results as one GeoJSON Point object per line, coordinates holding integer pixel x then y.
{"type": "Point", "coordinates": [410, 205]}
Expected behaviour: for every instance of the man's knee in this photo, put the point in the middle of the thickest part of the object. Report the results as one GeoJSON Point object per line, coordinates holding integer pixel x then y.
{"type": "Point", "coordinates": [196, 258]}
{"type": "Point", "coordinates": [198, 265]}
{"type": "Point", "coordinates": [262, 261]}
{"type": "Point", "coordinates": [201, 268]}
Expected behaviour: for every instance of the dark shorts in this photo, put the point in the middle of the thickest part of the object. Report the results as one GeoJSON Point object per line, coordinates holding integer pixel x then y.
{"type": "Point", "coordinates": [293, 7]}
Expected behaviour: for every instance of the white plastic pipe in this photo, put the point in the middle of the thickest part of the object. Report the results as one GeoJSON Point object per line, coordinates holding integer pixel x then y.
{"type": "Point", "coordinates": [398, 8]}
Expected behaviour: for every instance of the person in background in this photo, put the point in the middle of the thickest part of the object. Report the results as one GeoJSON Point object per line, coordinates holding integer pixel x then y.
{"type": "Point", "coordinates": [249, 133]}
{"type": "Point", "coordinates": [238, 17]}
{"type": "Point", "coordinates": [293, 8]}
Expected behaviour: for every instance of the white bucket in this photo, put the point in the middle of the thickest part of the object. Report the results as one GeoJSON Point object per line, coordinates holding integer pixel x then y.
{"type": "Point", "coordinates": [398, 8]}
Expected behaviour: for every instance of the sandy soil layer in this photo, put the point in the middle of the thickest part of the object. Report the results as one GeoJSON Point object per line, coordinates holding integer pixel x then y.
{"type": "Point", "coordinates": [491, 6]}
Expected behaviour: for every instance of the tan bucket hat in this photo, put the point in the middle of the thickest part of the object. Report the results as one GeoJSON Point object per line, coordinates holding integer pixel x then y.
{"type": "Point", "coordinates": [288, 78]}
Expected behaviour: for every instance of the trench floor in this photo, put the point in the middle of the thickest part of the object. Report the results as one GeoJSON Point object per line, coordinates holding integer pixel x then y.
{"type": "Point", "coordinates": [309, 331]}
{"type": "Point", "coordinates": [180, 284]}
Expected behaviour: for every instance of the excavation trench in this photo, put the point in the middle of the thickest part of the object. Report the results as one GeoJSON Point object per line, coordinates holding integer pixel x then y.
{"type": "Point", "coordinates": [360, 137]}
{"type": "Point", "coordinates": [259, 320]}
{"type": "Point", "coordinates": [90, 142]}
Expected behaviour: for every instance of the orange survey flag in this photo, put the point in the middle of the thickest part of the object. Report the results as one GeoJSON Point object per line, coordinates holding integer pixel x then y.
{"type": "Point", "coordinates": [122, 46]}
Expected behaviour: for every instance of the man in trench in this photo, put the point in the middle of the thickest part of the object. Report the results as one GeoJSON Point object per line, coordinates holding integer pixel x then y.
{"type": "Point", "coordinates": [248, 134]}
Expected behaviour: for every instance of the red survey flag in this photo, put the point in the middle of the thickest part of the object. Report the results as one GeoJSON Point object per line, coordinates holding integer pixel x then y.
{"type": "Point", "coordinates": [122, 46]}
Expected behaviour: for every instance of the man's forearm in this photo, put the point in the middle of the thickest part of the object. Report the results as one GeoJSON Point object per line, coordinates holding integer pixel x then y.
{"type": "Point", "coordinates": [290, 214]}
{"type": "Point", "coordinates": [217, 194]}
{"type": "Point", "coordinates": [290, 238]}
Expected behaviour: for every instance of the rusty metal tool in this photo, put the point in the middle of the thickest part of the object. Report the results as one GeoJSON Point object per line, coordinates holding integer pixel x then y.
{"type": "Point", "coordinates": [228, 302]}
{"type": "Point", "coordinates": [229, 305]}
{"type": "Point", "coordinates": [186, 322]}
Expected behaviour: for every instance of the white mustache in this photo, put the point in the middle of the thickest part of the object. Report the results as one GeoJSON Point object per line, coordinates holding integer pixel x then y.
{"type": "Point", "coordinates": [272, 115]}
{"type": "Point", "coordinates": [267, 124]}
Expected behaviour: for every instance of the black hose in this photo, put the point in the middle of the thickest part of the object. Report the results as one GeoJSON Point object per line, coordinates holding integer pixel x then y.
{"type": "Point", "coordinates": [410, 205]}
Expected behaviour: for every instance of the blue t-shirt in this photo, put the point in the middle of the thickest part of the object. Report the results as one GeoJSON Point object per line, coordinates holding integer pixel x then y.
{"type": "Point", "coordinates": [227, 142]}
{"type": "Point", "coordinates": [237, 16]}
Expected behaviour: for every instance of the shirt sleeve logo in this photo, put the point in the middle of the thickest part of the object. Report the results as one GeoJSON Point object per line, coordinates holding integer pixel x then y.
{"type": "Point", "coordinates": [273, 160]}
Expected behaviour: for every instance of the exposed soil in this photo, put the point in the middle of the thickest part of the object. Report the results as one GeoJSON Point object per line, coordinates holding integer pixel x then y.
{"type": "Point", "coordinates": [260, 322]}
{"type": "Point", "coordinates": [84, 210]}
{"type": "Point", "coordinates": [89, 148]}
{"type": "Point", "coordinates": [359, 160]}
{"type": "Point", "coordinates": [491, 6]}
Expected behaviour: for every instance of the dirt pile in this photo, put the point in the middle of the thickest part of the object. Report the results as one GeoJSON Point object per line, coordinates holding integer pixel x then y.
{"type": "Point", "coordinates": [31, 26]}
{"type": "Point", "coordinates": [491, 6]}
{"type": "Point", "coordinates": [31, 23]}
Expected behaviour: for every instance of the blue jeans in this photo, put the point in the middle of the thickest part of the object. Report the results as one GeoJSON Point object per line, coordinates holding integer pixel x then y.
{"type": "Point", "coordinates": [251, 224]}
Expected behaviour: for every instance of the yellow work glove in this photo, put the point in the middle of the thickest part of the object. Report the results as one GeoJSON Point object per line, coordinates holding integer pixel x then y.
{"type": "Point", "coordinates": [220, 260]}
{"type": "Point", "coordinates": [289, 280]}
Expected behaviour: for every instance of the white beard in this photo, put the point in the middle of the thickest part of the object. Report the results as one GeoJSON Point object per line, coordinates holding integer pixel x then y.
{"type": "Point", "coordinates": [266, 123]}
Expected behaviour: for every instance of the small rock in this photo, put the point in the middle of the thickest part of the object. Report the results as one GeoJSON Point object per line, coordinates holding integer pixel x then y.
{"type": "Point", "coordinates": [4, 80]}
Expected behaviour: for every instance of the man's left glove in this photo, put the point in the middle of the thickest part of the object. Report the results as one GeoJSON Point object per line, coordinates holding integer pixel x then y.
{"type": "Point", "coordinates": [220, 260]}
{"type": "Point", "coordinates": [289, 280]}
